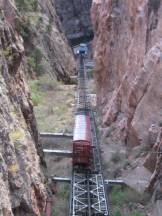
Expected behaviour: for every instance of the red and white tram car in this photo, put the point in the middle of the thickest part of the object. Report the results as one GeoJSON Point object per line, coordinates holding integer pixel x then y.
{"type": "Point", "coordinates": [82, 140]}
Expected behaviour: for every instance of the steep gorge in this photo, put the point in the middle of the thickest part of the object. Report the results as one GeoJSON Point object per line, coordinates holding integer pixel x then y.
{"type": "Point", "coordinates": [128, 73]}
{"type": "Point", "coordinates": [22, 166]}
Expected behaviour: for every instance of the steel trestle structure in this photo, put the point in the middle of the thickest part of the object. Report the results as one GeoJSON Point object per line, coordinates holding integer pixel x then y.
{"type": "Point", "coordinates": [88, 190]}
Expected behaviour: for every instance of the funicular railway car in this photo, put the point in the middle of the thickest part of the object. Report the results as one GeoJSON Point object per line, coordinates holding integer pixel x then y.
{"type": "Point", "coordinates": [82, 140]}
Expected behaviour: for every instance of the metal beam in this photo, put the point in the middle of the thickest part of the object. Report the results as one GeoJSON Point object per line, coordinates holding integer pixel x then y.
{"type": "Point", "coordinates": [115, 182]}
{"type": "Point", "coordinates": [79, 202]}
{"type": "Point", "coordinates": [63, 153]}
{"type": "Point", "coordinates": [107, 182]}
{"type": "Point", "coordinates": [62, 179]}
{"type": "Point", "coordinates": [56, 135]}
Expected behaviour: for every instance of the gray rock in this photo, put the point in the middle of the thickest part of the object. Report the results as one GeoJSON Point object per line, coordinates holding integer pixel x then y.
{"type": "Point", "coordinates": [157, 208]}
{"type": "Point", "coordinates": [75, 17]}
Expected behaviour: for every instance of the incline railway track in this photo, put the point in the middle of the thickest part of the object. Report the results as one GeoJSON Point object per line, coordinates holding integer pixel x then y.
{"type": "Point", "coordinates": [88, 195]}
{"type": "Point", "coordinates": [88, 190]}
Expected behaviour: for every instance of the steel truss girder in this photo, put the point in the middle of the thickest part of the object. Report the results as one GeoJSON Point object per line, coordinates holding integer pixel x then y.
{"type": "Point", "coordinates": [88, 192]}
{"type": "Point", "coordinates": [79, 195]}
{"type": "Point", "coordinates": [97, 194]}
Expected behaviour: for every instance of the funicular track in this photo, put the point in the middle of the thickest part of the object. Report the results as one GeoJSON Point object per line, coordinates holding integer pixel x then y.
{"type": "Point", "coordinates": [88, 191]}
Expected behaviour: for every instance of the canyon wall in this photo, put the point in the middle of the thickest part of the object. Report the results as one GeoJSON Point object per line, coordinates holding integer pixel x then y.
{"type": "Point", "coordinates": [127, 54]}
{"type": "Point", "coordinates": [128, 71]}
{"type": "Point", "coordinates": [46, 46]}
{"type": "Point", "coordinates": [55, 43]}
{"type": "Point", "coordinates": [22, 189]}
{"type": "Point", "coordinates": [75, 18]}
{"type": "Point", "coordinates": [22, 180]}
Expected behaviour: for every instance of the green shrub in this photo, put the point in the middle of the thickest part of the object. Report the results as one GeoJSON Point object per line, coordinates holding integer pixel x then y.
{"type": "Point", "coordinates": [7, 52]}
{"type": "Point", "coordinates": [117, 196]}
{"type": "Point", "coordinates": [55, 211]}
{"type": "Point", "coordinates": [31, 61]}
{"type": "Point", "coordinates": [47, 83]}
{"type": "Point", "coordinates": [37, 54]}
{"type": "Point", "coordinates": [34, 60]}
{"type": "Point", "coordinates": [116, 157]}
{"type": "Point", "coordinates": [90, 74]}
{"type": "Point", "coordinates": [24, 29]}
{"type": "Point", "coordinates": [49, 28]}
{"type": "Point", "coordinates": [36, 98]}
{"type": "Point", "coordinates": [63, 192]}
{"type": "Point", "coordinates": [36, 95]}
{"type": "Point", "coordinates": [136, 213]}
{"type": "Point", "coordinates": [40, 69]}
{"type": "Point", "coordinates": [126, 164]}
{"type": "Point", "coordinates": [117, 212]}
{"type": "Point", "coordinates": [40, 20]}
{"type": "Point", "coordinates": [121, 195]}
{"type": "Point", "coordinates": [27, 5]}
{"type": "Point", "coordinates": [126, 198]}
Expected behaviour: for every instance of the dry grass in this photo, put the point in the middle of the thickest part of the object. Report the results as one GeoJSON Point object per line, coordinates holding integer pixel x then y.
{"type": "Point", "coordinates": [54, 104]}
{"type": "Point", "coordinates": [13, 169]}
{"type": "Point", "coordinates": [16, 135]}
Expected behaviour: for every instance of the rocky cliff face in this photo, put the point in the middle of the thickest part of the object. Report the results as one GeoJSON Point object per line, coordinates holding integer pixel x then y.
{"type": "Point", "coordinates": [75, 17]}
{"type": "Point", "coordinates": [56, 45]}
{"type": "Point", "coordinates": [22, 191]}
{"type": "Point", "coordinates": [46, 46]}
{"type": "Point", "coordinates": [128, 69]}
{"type": "Point", "coordinates": [22, 182]}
